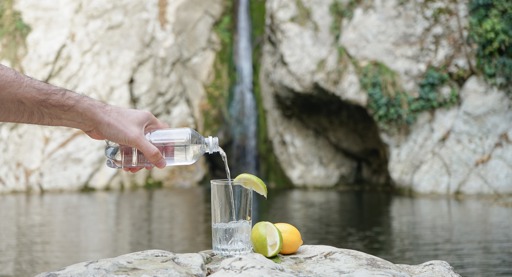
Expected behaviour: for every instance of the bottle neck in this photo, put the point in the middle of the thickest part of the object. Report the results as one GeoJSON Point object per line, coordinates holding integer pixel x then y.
{"type": "Point", "coordinates": [212, 144]}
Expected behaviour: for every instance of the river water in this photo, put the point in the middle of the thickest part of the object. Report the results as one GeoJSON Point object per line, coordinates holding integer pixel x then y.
{"type": "Point", "coordinates": [46, 232]}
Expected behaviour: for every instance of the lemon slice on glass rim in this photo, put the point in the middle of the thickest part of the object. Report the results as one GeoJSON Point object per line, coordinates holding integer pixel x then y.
{"type": "Point", "coordinates": [252, 182]}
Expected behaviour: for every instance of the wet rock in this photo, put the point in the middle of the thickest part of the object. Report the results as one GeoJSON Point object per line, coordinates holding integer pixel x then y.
{"type": "Point", "coordinates": [308, 261]}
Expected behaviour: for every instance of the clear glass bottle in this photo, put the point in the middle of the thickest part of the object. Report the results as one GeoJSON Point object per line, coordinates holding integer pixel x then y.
{"type": "Point", "coordinates": [180, 146]}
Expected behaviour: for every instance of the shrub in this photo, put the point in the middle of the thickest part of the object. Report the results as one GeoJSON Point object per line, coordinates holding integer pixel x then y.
{"type": "Point", "coordinates": [490, 28]}
{"type": "Point", "coordinates": [391, 106]}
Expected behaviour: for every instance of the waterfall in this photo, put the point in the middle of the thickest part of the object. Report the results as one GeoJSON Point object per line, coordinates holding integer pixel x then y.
{"type": "Point", "coordinates": [243, 106]}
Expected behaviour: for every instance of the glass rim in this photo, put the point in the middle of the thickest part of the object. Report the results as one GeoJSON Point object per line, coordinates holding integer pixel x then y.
{"type": "Point", "coordinates": [221, 182]}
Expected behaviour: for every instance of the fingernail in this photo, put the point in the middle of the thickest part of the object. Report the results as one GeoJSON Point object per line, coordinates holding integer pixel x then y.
{"type": "Point", "coordinates": [161, 164]}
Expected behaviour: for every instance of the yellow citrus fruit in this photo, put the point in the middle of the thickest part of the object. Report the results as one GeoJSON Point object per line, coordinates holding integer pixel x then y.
{"type": "Point", "coordinates": [292, 239]}
{"type": "Point", "coordinates": [252, 182]}
{"type": "Point", "coordinates": [266, 239]}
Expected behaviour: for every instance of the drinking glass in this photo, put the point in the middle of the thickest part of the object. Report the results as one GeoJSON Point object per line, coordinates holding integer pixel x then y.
{"type": "Point", "coordinates": [231, 218]}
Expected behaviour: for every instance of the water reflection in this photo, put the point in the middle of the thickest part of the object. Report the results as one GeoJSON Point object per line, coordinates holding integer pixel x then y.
{"type": "Point", "coordinates": [474, 236]}
{"type": "Point", "coordinates": [348, 220]}
{"type": "Point", "coordinates": [45, 232]}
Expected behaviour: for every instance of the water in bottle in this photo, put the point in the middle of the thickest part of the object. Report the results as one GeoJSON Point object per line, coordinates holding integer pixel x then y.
{"type": "Point", "coordinates": [180, 146]}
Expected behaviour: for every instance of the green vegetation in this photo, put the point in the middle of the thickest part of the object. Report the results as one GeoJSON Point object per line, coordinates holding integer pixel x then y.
{"type": "Point", "coordinates": [87, 188]}
{"type": "Point", "coordinates": [344, 9]}
{"type": "Point", "coordinates": [387, 101]}
{"type": "Point", "coordinates": [270, 169]}
{"type": "Point", "coordinates": [340, 10]}
{"type": "Point", "coordinates": [304, 14]}
{"type": "Point", "coordinates": [390, 105]}
{"type": "Point", "coordinates": [152, 183]}
{"type": "Point", "coordinates": [13, 32]}
{"type": "Point", "coordinates": [429, 93]}
{"type": "Point", "coordinates": [215, 109]}
{"type": "Point", "coordinates": [490, 28]}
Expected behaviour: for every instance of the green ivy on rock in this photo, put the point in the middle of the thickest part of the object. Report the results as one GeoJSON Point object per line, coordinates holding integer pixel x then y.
{"type": "Point", "coordinates": [490, 28]}
{"type": "Point", "coordinates": [391, 106]}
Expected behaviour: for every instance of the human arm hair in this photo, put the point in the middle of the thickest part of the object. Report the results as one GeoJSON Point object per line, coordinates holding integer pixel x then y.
{"type": "Point", "coordinates": [27, 100]}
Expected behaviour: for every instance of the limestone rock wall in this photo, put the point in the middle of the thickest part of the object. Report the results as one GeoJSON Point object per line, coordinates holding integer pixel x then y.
{"type": "Point", "coordinates": [321, 63]}
{"type": "Point", "coordinates": [155, 55]}
{"type": "Point", "coordinates": [319, 129]}
{"type": "Point", "coordinates": [461, 150]}
{"type": "Point", "coordinates": [322, 60]}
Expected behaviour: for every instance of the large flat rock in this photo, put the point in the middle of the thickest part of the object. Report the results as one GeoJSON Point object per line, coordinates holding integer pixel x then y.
{"type": "Point", "coordinates": [310, 260]}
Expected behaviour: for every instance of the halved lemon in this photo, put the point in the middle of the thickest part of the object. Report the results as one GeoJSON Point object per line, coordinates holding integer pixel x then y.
{"type": "Point", "coordinates": [252, 182]}
{"type": "Point", "coordinates": [266, 239]}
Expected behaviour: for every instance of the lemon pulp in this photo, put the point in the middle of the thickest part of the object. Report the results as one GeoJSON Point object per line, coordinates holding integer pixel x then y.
{"type": "Point", "coordinates": [266, 239]}
{"type": "Point", "coordinates": [252, 182]}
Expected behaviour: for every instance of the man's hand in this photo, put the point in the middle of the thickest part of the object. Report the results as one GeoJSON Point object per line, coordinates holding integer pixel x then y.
{"type": "Point", "coordinates": [128, 127]}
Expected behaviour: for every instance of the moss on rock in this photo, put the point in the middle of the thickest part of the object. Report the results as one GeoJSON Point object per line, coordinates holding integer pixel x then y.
{"type": "Point", "coordinates": [270, 169]}
{"type": "Point", "coordinates": [215, 110]}
{"type": "Point", "coordinates": [13, 32]}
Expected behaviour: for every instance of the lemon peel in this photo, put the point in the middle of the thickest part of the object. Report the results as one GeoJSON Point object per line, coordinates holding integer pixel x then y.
{"type": "Point", "coordinates": [252, 182]}
{"type": "Point", "coordinates": [266, 239]}
{"type": "Point", "coordinates": [292, 238]}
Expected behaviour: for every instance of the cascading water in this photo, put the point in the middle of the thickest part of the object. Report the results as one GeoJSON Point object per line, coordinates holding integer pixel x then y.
{"type": "Point", "coordinates": [243, 107]}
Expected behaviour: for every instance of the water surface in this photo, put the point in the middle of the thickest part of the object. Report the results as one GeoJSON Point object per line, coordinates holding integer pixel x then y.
{"type": "Point", "coordinates": [46, 232]}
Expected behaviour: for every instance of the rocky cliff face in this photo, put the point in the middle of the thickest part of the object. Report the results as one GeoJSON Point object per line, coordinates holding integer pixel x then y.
{"type": "Point", "coordinates": [383, 91]}
{"type": "Point", "coordinates": [320, 130]}
{"type": "Point", "coordinates": [374, 92]}
{"type": "Point", "coordinates": [152, 55]}
{"type": "Point", "coordinates": [465, 149]}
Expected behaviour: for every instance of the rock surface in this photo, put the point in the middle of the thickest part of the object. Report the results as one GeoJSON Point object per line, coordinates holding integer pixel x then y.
{"type": "Point", "coordinates": [318, 116]}
{"type": "Point", "coordinates": [308, 261]}
{"type": "Point", "coordinates": [151, 55]}
{"type": "Point", "coordinates": [317, 112]}
{"type": "Point", "coordinates": [320, 132]}
{"type": "Point", "coordinates": [465, 149]}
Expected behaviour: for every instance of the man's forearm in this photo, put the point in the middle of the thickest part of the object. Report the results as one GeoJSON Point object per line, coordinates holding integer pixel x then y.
{"type": "Point", "coordinates": [25, 100]}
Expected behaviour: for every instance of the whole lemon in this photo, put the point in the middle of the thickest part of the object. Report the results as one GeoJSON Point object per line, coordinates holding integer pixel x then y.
{"type": "Point", "coordinates": [292, 239]}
